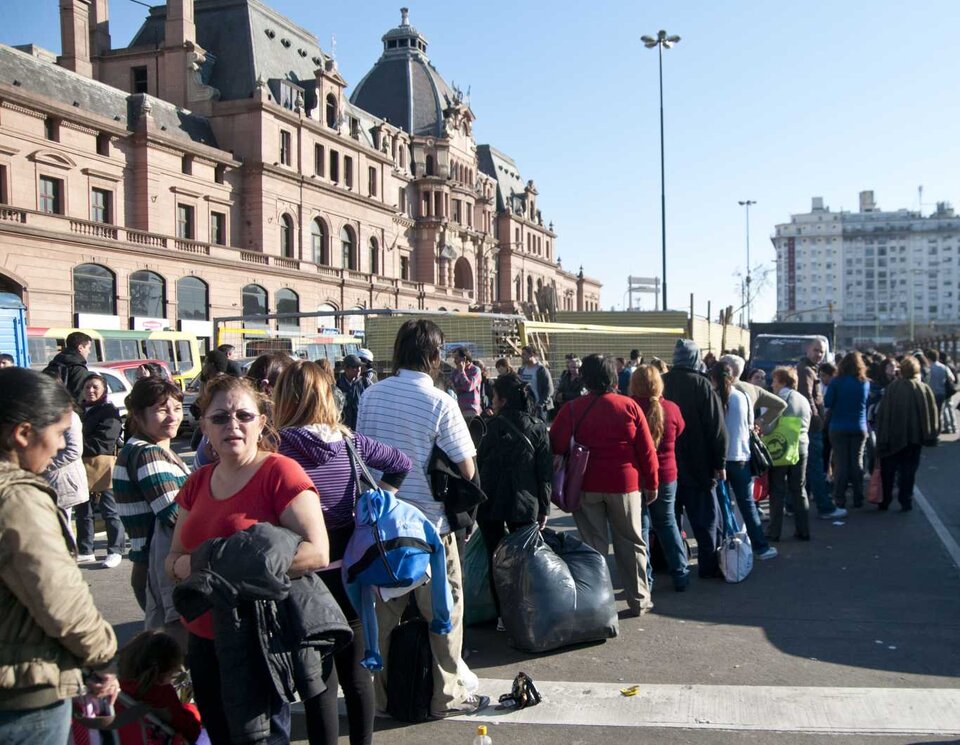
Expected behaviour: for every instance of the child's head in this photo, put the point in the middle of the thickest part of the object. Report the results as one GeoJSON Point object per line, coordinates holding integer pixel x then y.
{"type": "Point", "coordinates": [150, 658]}
{"type": "Point", "coordinates": [828, 372]}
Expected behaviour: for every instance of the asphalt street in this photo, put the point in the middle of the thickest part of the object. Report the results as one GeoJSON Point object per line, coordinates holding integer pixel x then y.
{"type": "Point", "coordinates": [853, 636]}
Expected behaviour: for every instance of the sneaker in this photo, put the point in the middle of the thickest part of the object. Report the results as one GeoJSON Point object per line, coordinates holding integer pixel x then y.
{"type": "Point", "coordinates": [770, 553]}
{"type": "Point", "coordinates": [835, 514]}
{"type": "Point", "coordinates": [112, 561]}
{"type": "Point", "coordinates": [471, 705]}
{"type": "Point", "coordinates": [500, 626]}
{"type": "Point", "coordinates": [86, 558]}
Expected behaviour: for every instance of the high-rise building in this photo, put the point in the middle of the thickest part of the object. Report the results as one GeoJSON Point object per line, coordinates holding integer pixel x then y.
{"type": "Point", "coordinates": [882, 276]}
{"type": "Point", "coordinates": [216, 166]}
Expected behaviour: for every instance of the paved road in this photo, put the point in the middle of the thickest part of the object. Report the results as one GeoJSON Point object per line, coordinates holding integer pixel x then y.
{"type": "Point", "coordinates": [864, 620]}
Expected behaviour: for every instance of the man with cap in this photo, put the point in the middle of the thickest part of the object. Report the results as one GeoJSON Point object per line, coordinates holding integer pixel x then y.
{"type": "Point", "coordinates": [701, 450]}
{"type": "Point", "coordinates": [366, 360]}
{"type": "Point", "coordinates": [352, 384]}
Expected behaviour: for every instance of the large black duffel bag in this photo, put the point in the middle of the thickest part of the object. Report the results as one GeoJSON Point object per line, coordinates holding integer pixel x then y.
{"type": "Point", "coordinates": [554, 591]}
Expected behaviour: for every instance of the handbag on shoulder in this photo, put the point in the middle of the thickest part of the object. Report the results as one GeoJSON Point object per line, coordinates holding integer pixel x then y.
{"type": "Point", "coordinates": [569, 469]}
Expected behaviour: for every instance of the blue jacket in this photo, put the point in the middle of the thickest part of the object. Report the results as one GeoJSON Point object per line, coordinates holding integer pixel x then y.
{"type": "Point", "coordinates": [392, 545]}
{"type": "Point", "coordinates": [846, 397]}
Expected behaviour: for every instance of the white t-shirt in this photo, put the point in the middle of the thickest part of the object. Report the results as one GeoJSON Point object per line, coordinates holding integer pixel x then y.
{"type": "Point", "coordinates": [739, 421]}
{"type": "Point", "coordinates": [408, 412]}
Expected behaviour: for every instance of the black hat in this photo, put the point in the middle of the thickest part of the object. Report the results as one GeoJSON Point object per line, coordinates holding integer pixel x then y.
{"type": "Point", "coordinates": [351, 360]}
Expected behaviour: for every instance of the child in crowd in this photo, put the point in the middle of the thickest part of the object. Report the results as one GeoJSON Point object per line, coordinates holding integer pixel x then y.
{"type": "Point", "coordinates": [147, 667]}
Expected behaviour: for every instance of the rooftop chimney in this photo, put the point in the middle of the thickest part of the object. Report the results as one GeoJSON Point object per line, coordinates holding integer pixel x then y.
{"type": "Point", "coordinates": [99, 28]}
{"type": "Point", "coordinates": [75, 36]}
{"type": "Point", "coordinates": [180, 27]}
{"type": "Point", "coordinates": [866, 202]}
{"type": "Point", "coordinates": [817, 204]}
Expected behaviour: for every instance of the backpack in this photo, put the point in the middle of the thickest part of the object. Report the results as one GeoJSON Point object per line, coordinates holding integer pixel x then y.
{"type": "Point", "coordinates": [410, 670]}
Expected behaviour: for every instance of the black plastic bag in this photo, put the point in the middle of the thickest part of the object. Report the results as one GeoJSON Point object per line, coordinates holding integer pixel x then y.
{"type": "Point", "coordinates": [554, 591]}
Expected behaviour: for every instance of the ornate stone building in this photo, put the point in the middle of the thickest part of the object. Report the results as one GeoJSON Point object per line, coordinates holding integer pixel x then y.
{"type": "Point", "coordinates": [216, 166]}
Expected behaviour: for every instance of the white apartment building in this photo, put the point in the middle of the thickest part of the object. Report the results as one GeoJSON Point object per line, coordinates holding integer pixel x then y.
{"type": "Point", "coordinates": [882, 276]}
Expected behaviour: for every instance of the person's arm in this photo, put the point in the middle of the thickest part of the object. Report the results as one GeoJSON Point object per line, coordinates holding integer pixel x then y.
{"type": "Point", "coordinates": [712, 422]}
{"type": "Point", "coordinates": [543, 461]}
{"type": "Point", "coordinates": [547, 383]}
{"type": "Point", "coordinates": [159, 482]}
{"type": "Point", "coordinates": [460, 380]}
{"type": "Point", "coordinates": [391, 462]}
{"type": "Point", "coordinates": [37, 568]}
{"type": "Point", "coordinates": [830, 396]}
{"type": "Point", "coordinates": [454, 439]}
{"type": "Point", "coordinates": [773, 406]}
{"type": "Point", "coordinates": [73, 450]}
{"type": "Point", "coordinates": [177, 563]}
{"type": "Point", "coordinates": [103, 437]}
{"type": "Point", "coordinates": [305, 518]}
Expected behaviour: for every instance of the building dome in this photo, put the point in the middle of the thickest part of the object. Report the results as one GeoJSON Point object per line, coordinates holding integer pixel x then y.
{"type": "Point", "coordinates": [403, 87]}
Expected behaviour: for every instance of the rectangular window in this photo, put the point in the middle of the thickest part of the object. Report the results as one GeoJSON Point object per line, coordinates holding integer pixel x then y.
{"type": "Point", "coordinates": [334, 167]}
{"type": "Point", "coordinates": [138, 79]}
{"type": "Point", "coordinates": [51, 129]}
{"type": "Point", "coordinates": [457, 216]}
{"type": "Point", "coordinates": [318, 160]}
{"type": "Point", "coordinates": [51, 195]}
{"type": "Point", "coordinates": [218, 228]}
{"type": "Point", "coordinates": [285, 146]}
{"type": "Point", "coordinates": [4, 199]}
{"type": "Point", "coordinates": [101, 205]}
{"type": "Point", "coordinates": [402, 199]}
{"type": "Point", "coordinates": [103, 144]}
{"type": "Point", "coordinates": [185, 222]}
{"type": "Point", "coordinates": [348, 171]}
{"type": "Point", "coordinates": [372, 179]}
{"type": "Point", "coordinates": [405, 267]}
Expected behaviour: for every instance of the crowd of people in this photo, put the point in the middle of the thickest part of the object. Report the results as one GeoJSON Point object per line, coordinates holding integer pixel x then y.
{"type": "Point", "coordinates": [268, 509]}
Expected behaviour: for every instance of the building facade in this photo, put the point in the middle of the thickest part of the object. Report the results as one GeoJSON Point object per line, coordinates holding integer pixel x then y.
{"type": "Point", "coordinates": [882, 276]}
{"type": "Point", "coordinates": [217, 167]}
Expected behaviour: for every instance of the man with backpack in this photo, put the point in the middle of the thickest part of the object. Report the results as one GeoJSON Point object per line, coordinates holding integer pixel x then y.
{"type": "Point", "coordinates": [70, 365]}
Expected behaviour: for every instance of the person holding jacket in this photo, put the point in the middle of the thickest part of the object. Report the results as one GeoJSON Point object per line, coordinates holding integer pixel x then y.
{"type": "Point", "coordinates": [516, 468]}
{"type": "Point", "coordinates": [50, 629]}
{"type": "Point", "coordinates": [101, 431]}
{"type": "Point", "coordinates": [248, 485]}
{"type": "Point", "coordinates": [66, 472]}
{"type": "Point", "coordinates": [846, 400]}
{"type": "Point", "coordinates": [622, 473]}
{"type": "Point", "coordinates": [311, 434]}
{"type": "Point", "coordinates": [701, 451]}
{"type": "Point", "coordinates": [467, 381]}
{"type": "Point", "coordinates": [666, 425]}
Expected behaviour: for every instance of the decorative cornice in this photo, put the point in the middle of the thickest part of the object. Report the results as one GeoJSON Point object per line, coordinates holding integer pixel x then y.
{"type": "Point", "coordinates": [100, 174]}
{"type": "Point", "coordinates": [185, 192]}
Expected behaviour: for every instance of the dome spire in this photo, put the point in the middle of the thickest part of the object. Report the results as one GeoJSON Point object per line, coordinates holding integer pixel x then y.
{"type": "Point", "coordinates": [404, 16]}
{"type": "Point", "coordinates": [404, 40]}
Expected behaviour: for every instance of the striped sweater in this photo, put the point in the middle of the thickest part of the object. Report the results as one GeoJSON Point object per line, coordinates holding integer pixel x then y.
{"type": "Point", "coordinates": [158, 474]}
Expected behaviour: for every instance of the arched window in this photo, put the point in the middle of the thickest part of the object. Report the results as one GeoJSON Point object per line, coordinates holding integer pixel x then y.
{"type": "Point", "coordinates": [331, 111]}
{"type": "Point", "coordinates": [462, 274]}
{"type": "Point", "coordinates": [286, 236]}
{"type": "Point", "coordinates": [374, 256]}
{"type": "Point", "coordinates": [288, 302]}
{"type": "Point", "coordinates": [429, 165]}
{"type": "Point", "coordinates": [347, 245]}
{"type": "Point", "coordinates": [254, 301]}
{"type": "Point", "coordinates": [147, 290]}
{"type": "Point", "coordinates": [192, 299]}
{"type": "Point", "coordinates": [94, 290]}
{"type": "Point", "coordinates": [318, 240]}
{"type": "Point", "coordinates": [529, 289]}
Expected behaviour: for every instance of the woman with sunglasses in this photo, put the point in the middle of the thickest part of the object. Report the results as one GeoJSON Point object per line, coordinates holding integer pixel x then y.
{"type": "Point", "coordinates": [249, 484]}
{"type": "Point", "coordinates": [307, 417]}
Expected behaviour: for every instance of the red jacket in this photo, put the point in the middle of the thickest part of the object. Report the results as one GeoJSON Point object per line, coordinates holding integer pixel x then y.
{"type": "Point", "coordinates": [622, 455]}
{"type": "Point", "coordinates": [672, 428]}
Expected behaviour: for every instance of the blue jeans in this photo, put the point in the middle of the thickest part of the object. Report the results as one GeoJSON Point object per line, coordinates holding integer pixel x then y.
{"type": "Point", "coordinates": [740, 482]}
{"type": "Point", "coordinates": [111, 520]}
{"type": "Point", "coordinates": [661, 516]}
{"type": "Point", "coordinates": [47, 726]}
{"type": "Point", "coordinates": [816, 477]}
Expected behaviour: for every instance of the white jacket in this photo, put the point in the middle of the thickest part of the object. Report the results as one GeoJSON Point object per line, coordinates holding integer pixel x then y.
{"type": "Point", "coordinates": [66, 473]}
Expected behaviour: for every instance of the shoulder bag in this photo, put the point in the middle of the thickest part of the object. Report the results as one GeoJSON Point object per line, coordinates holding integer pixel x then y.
{"type": "Point", "coordinates": [569, 469]}
{"type": "Point", "coordinates": [760, 459]}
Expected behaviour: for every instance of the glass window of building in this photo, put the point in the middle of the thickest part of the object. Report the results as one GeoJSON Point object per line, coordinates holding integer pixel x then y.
{"type": "Point", "coordinates": [147, 291]}
{"type": "Point", "coordinates": [94, 290]}
{"type": "Point", "coordinates": [192, 299]}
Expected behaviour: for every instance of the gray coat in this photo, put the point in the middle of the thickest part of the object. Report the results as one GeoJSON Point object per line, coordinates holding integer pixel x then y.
{"type": "Point", "coordinates": [66, 473]}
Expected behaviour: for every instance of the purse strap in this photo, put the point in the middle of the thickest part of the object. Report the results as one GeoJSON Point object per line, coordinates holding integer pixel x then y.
{"type": "Point", "coordinates": [573, 432]}
{"type": "Point", "coordinates": [516, 429]}
{"type": "Point", "coordinates": [358, 467]}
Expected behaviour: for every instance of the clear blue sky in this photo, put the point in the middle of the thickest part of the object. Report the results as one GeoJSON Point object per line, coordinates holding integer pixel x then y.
{"type": "Point", "coordinates": [771, 101]}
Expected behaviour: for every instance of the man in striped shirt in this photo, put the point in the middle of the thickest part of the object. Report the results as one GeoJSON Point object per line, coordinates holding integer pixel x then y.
{"type": "Point", "coordinates": [410, 413]}
{"type": "Point", "coordinates": [467, 382]}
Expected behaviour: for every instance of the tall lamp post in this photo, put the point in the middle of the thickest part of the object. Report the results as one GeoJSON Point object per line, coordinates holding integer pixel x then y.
{"type": "Point", "coordinates": [746, 203]}
{"type": "Point", "coordinates": [662, 42]}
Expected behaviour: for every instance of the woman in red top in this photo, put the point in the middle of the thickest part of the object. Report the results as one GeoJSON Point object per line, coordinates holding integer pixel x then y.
{"type": "Point", "coordinates": [666, 425]}
{"type": "Point", "coordinates": [249, 484]}
{"type": "Point", "coordinates": [623, 461]}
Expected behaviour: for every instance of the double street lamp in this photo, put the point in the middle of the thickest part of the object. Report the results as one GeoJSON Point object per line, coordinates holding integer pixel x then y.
{"type": "Point", "coordinates": [746, 203]}
{"type": "Point", "coordinates": [661, 42]}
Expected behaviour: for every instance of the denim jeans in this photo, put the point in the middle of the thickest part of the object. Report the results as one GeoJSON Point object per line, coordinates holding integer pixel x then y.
{"type": "Point", "coordinates": [49, 725]}
{"type": "Point", "coordinates": [702, 510]}
{"type": "Point", "coordinates": [848, 466]}
{"type": "Point", "coordinates": [816, 476]}
{"type": "Point", "coordinates": [740, 482]}
{"type": "Point", "coordinates": [786, 487]}
{"type": "Point", "coordinates": [111, 519]}
{"type": "Point", "coordinates": [902, 466]}
{"type": "Point", "coordinates": [661, 516]}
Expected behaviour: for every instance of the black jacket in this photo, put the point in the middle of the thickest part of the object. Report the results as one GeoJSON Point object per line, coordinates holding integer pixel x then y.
{"type": "Point", "coordinates": [271, 634]}
{"type": "Point", "coordinates": [702, 448]}
{"type": "Point", "coordinates": [70, 368]}
{"type": "Point", "coordinates": [460, 497]}
{"type": "Point", "coordinates": [516, 469]}
{"type": "Point", "coordinates": [101, 429]}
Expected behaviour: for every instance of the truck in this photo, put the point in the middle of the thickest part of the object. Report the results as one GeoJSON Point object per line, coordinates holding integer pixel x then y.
{"type": "Point", "coordinates": [775, 344]}
{"type": "Point", "coordinates": [13, 329]}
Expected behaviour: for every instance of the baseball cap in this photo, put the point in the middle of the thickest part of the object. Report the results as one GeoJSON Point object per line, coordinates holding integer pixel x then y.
{"type": "Point", "coordinates": [351, 360]}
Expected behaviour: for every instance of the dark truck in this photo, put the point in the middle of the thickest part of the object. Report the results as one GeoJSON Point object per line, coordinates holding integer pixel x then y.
{"type": "Point", "coordinates": [774, 344]}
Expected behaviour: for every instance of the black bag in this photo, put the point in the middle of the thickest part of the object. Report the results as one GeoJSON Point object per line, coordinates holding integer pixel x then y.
{"type": "Point", "coordinates": [460, 497]}
{"type": "Point", "coordinates": [760, 459]}
{"type": "Point", "coordinates": [410, 672]}
{"type": "Point", "coordinates": [554, 590]}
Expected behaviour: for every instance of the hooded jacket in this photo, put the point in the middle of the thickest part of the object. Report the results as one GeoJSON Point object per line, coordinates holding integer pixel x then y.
{"type": "Point", "coordinates": [101, 429]}
{"type": "Point", "coordinates": [70, 368]}
{"type": "Point", "coordinates": [516, 469]}
{"type": "Point", "coordinates": [49, 625]}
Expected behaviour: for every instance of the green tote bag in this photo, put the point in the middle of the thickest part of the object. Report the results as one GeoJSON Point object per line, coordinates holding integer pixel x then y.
{"type": "Point", "coordinates": [784, 441]}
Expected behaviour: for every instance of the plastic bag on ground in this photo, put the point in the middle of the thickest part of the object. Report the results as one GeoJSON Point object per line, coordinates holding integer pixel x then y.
{"type": "Point", "coordinates": [735, 553]}
{"type": "Point", "coordinates": [478, 606]}
{"type": "Point", "coordinates": [554, 591]}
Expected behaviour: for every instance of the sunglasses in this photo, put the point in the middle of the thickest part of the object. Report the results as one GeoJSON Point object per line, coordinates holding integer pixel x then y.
{"type": "Point", "coordinates": [222, 417]}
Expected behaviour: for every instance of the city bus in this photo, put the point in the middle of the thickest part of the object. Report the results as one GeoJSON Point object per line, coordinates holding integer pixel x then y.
{"type": "Point", "coordinates": [327, 344]}
{"type": "Point", "coordinates": [180, 351]}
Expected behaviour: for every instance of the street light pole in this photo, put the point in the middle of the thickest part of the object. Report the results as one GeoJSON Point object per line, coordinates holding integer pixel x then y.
{"type": "Point", "coordinates": [662, 41]}
{"type": "Point", "coordinates": [746, 203]}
